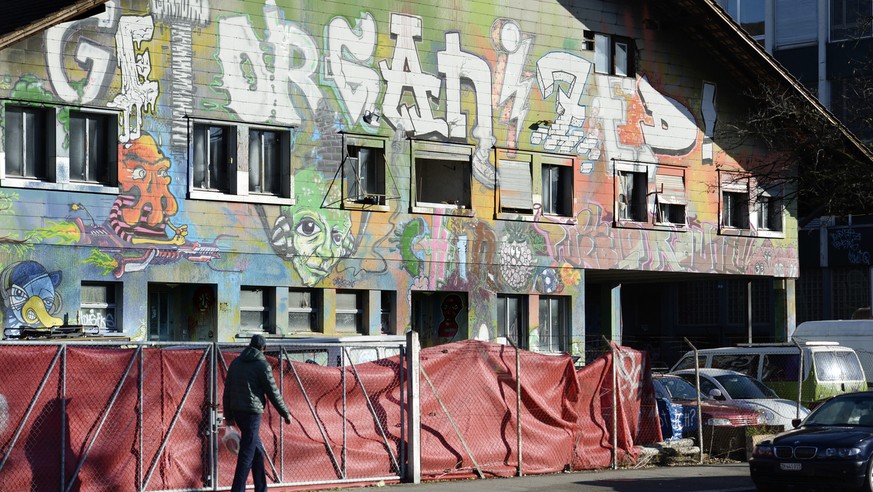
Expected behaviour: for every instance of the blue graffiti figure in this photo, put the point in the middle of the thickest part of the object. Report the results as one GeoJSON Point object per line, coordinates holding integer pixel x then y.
{"type": "Point", "coordinates": [29, 295]}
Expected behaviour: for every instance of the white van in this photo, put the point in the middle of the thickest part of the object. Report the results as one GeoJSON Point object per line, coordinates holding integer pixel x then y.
{"type": "Point", "coordinates": [339, 351]}
{"type": "Point", "coordinates": [854, 333]}
{"type": "Point", "coordinates": [828, 368]}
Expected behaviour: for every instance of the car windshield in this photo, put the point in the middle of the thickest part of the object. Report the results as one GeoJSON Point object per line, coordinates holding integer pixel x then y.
{"type": "Point", "coordinates": [844, 410]}
{"type": "Point", "coordinates": [678, 388]}
{"type": "Point", "coordinates": [742, 387]}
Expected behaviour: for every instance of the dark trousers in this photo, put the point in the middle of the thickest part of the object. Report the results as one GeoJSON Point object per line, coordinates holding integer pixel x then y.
{"type": "Point", "coordinates": [251, 453]}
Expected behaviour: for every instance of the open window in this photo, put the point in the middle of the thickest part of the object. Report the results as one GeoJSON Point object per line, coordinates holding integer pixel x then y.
{"type": "Point", "coordinates": [527, 180]}
{"type": "Point", "coordinates": [442, 177]}
{"type": "Point", "coordinates": [734, 201]}
{"type": "Point", "coordinates": [364, 172]}
{"type": "Point", "coordinates": [631, 192]}
{"type": "Point", "coordinates": [613, 55]}
{"type": "Point", "coordinates": [670, 196]}
{"type": "Point", "coordinates": [768, 211]}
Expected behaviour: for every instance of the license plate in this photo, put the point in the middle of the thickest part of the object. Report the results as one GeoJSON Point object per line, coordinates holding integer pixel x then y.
{"type": "Point", "coordinates": [790, 466]}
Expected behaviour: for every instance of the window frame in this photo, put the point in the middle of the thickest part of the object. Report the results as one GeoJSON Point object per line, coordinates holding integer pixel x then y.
{"type": "Point", "coordinates": [606, 53]}
{"type": "Point", "coordinates": [281, 154]}
{"type": "Point", "coordinates": [56, 157]}
{"type": "Point", "coordinates": [358, 312]}
{"type": "Point", "coordinates": [670, 193]}
{"type": "Point", "coordinates": [106, 154]}
{"type": "Point", "coordinates": [377, 199]}
{"type": "Point", "coordinates": [238, 165]}
{"type": "Point", "coordinates": [434, 151]}
{"type": "Point", "coordinates": [521, 334]}
{"type": "Point", "coordinates": [850, 30]}
{"type": "Point", "coordinates": [536, 164]}
{"type": "Point", "coordinates": [563, 335]}
{"type": "Point", "coordinates": [774, 225]}
{"type": "Point", "coordinates": [264, 309]}
{"type": "Point", "coordinates": [313, 311]}
{"type": "Point", "coordinates": [640, 173]}
{"type": "Point", "coordinates": [112, 302]}
{"type": "Point", "coordinates": [734, 187]}
{"type": "Point", "coordinates": [565, 167]}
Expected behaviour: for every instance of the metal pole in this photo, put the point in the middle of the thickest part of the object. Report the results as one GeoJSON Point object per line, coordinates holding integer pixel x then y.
{"type": "Point", "coordinates": [517, 403]}
{"type": "Point", "coordinates": [699, 412]}
{"type": "Point", "coordinates": [749, 308]}
{"type": "Point", "coordinates": [64, 416]}
{"type": "Point", "coordinates": [413, 415]}
{"type": "Point", "coordinates": [213, 416]}
{"type": "Point", "coordinates": [518, 407]}
{"type": "Point", "coordinates": [345, 409]}
{"type": "Point", "coordinates": [139, 419]}
{"type": "Point", "coordinates": [614, 371]}
{"type": "Point", "coordinates": [799, 377]}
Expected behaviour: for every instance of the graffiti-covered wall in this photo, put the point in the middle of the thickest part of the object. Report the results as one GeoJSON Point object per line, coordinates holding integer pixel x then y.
{"type": "Point", "coordinates": [268, 158]}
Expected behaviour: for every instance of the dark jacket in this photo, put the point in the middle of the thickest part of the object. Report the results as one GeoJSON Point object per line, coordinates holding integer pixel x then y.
{"type": "Point", "coordinates": [249, 380]}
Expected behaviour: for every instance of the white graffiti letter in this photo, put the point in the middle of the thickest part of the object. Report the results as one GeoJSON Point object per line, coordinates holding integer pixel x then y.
{"type": "Point", "coordinates": [673, 130]}
{"type": "Point", "coordinates": [293, 44]}
{"type": "Point", "coordinates": [245, 75]}
{"type": "Point", "coordinates": [357, 85]}
{"type": "Point", "coordinates": [457, 64]}
{"type": "Point", "coordinates": [405, 74]}
{"type": "Point", "coordinates": [95, 60]}
{"type": "Point", "coordinates": [513, 84]}
{"type": "Point", "coordinates": [566, 132]}
{"type": "Point", "coordinates": [138, 93]}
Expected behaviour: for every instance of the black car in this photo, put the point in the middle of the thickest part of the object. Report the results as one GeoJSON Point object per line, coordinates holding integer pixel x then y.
{"type": "Point", "coordinates": [832, 448]}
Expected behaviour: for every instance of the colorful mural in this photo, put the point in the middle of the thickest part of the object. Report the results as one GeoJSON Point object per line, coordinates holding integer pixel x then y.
{"type": "Point", "coordinates": [486, 77]}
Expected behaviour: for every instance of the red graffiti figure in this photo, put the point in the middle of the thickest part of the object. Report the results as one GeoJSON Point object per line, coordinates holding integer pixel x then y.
{"type": "Point", "coordinates": [451, 307]}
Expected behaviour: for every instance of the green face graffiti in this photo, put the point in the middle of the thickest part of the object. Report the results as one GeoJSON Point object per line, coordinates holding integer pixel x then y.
{"type": "Point", "coordinates": [315, 239]}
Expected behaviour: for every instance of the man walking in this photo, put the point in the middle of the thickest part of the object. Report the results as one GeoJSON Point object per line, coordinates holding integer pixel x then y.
{"type": "Point", "coordinates": [249, 382]}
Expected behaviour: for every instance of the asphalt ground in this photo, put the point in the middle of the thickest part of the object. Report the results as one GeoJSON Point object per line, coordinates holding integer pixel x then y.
{"type": "Point", "coordinates": [732, 477]}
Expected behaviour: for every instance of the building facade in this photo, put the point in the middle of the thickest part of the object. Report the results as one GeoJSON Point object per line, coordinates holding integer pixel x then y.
{"type": "Point", "coordinates": [827, 45]}
{"type": "Point", "coordinates": [201, 170]}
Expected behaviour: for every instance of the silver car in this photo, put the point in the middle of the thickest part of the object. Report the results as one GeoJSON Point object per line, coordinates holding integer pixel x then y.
{"type": "Point", "coordinates": [736, 387]}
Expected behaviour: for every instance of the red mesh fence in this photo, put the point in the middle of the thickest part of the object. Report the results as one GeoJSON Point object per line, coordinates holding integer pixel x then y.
{"type": "Point", "coordinates": [82, 405]}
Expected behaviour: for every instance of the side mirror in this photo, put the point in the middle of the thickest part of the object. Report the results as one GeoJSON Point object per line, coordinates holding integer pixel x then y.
{"type": "Point", "coordinates": [716, 393]}
{"type": "Point", "coordinates": [795, 423]}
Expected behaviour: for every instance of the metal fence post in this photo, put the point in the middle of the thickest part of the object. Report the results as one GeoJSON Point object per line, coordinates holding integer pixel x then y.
{"type": "Point", "coordinates": [64, 417]}
{"type": "Point", "coordinates": [413, 422]}
{"type": "Point", "coordinates": [699, 412]}
{"type": "Point", "coordinates": [799, 377]}
{"type": "Point", "coordinates": [614, 371]}
{"type": "Point", "coordinates": [520, 470]}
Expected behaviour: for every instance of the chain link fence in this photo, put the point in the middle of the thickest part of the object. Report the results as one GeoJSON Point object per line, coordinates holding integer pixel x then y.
{"type": "Point", "coordinates": [122, 416]}
{"type": "Point", "coordinates": [86, 416]}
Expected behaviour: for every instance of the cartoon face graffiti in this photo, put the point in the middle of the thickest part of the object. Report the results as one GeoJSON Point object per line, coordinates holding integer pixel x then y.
{"type": "Point", "coordinates": [29, 295]}
{"type": "Point", "coordinates": [145, 175]}
{"type": "Point", "coordinates": [146, 203]}
{"type": "Point", "coordinates": [312, 238]}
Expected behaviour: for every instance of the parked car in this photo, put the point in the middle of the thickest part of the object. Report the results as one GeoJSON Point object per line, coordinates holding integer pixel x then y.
{"type": "Point", "coordinates": [677, 409]}
{"type": "Point", "coordinates": [745, 390]}
{"type": "Point", "coordinates": [831, 448]}
{"type": "Point", "coordinates": [828, 368]}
